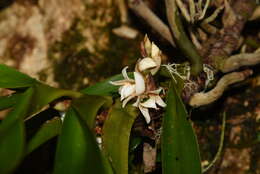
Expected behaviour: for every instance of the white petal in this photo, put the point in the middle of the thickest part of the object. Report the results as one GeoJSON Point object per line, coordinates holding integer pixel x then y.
{"type": "Point", "coordinates": [139, 82]}
{"type": "Point", "coordinates": [145, 113]}
{"type": "Point", "coordinates": [127, 100]}
{"type": "Point", "coordinates": [155, 51]}
{"type": "Point", "coordinates": [147, 45]}
{"type": "Point", "coordinates": [160, 101]}
{"type": "Point", "coordinates": [150, 103]}
{"type": "Point", "coordinates": [146, 63]}
{"type": "Point", "coordinates": [126, 91]}
{"type": "Point", "coordinates": [157, 91]}
{"type": "Point", "coordinates": [119, 82]}
{"type": "Point", "coordinates": [120, 90]}
{"type": "Point", "coordinates": [124, 73]}
{"type": "Point", "coordinates": [156, 56]}
{"type": "Point", "coordinates": [137, 102]}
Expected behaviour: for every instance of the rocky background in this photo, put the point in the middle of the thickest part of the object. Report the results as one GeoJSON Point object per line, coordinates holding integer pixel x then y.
{"type": "Point", "coordinates": [69, 43]}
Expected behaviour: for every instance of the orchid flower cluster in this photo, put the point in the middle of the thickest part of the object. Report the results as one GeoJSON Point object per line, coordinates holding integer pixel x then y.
{"type": "Point", "coordinates": [142, 88]}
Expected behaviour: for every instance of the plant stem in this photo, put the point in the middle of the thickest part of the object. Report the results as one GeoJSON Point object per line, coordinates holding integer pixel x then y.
{"type": "Point", "coordinates": [220, 144]}
{"type": "Point", "coordinates": [181, 38]}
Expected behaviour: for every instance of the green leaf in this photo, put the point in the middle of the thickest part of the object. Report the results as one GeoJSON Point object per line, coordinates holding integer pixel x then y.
{"type": "Point", "coordinates": [11, 147]}
{"type": "Point", "coordinates": [116, 135]}
{"type": "Point", "coordinates": [19, 112]}
{"type": "Point", "coordinates": [11, 78]}
{"type": "Point", "coordinates": [9, 101]}
{"type": "Point", "coordinates": [104, 88]}
{"type": "Point", "coordinates": [47, 131]}
{"type": "Point", "coordinates": [180, 153]}
{"type": "Point", "coordinates": [45, 94]}
{"type": "Point", "coordinates": [87, 107]}
{"type": "Point", "coordinates": [12, 136]}
{"type": "Point", "coordinates": [77, 150]}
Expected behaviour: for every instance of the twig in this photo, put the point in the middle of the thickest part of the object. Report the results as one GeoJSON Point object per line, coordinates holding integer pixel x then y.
{"type": "Point", "coordinates": [214, 15]}
{"type": "Point", "coordinates": [183, 10]}
{"type": "Point", "coordinates": [204, 10]}
{"type": "Point", "coordinates": [201, 98]}
{"type": "Point", "coordinates": [181, 38]}
{"type": "Point", "coordinates": [143, 11]}
{"type": "Point", "coordinates": [192, 10]}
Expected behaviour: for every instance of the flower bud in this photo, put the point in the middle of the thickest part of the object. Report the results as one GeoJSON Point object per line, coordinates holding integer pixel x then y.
{"type": "Point", "coordinates": [146, 63]}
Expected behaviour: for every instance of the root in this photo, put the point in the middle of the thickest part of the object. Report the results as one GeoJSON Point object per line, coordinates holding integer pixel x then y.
{"type": "Point", "coordinates": [200, 99]}
{"type": "Point", "coordinates": [240, 60]}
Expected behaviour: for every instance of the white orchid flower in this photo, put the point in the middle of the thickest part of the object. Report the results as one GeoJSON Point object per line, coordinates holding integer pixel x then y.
{"type": "Point", "coordinates": [136, 88]}
{"type": "Point", "coordinates": [130, 88]}
{"type": "Point", "coordinates": [153, 60]}
{"type": "Point", "coordinates": [153, 100]}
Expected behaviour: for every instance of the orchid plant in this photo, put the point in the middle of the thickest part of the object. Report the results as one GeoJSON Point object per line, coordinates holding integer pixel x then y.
{"type": "Point", "coordinates": [142, 87]}
{"type": "Point", "coordinates": [139, 95]}
{"type": "Point", "coordinates": [96, 127]}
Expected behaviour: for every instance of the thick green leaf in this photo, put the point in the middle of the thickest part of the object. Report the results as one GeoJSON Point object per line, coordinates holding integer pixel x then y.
{"type": "Point", "coordinates": [180, 154]}
{"type": "Point", "coordinates": [87, 107]}
{"type": "Point", "coordinates": [19, 112]}
{"type": "Point", "coordinates": [116, 135]}
{"type": "Point", "coordinates": [45, 94]}
{"type": "Point", "coordinates": [9, 101]}
{"type": "Point", "coordinates": [12, 134]}
{"type": "Point", "coordinates": [47, 131]}
{"type": "Point", "coordinates": [11, 78]}
{"type": "Point", "coordinates": [104, 88]}
{"type": "Point", "coordinates": [77, 150]}
{"type": "Point", "coordinates": [11, 147]}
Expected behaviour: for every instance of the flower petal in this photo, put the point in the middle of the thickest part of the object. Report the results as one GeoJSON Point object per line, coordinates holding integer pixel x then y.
{"type": "Point", "coordinates": [119, 82]}
{"type": "Point", "coordinates": [157, 91]}
{"type": "Point", "coordinates": [127, 100]}
{"type": "Point", "coordinates": [156, 56]}
{"type": "Point", "coordinates": [145, 113]}
{"type": "Point", "coordinates": [150, 103]}
{"type": "Point", "coordinates": [155, 51]}
{"type": "Point", "coordinates": [147, 45]}
{"type": "Point", "coordinates": [137, 102]}
{"type": "Point", "coordinates": [139, 82]}
{"type": "Point", "coordinates": [126, 91]}
{"type": "Point", "coordinates": [160, 101]}
{"type": "Point", "coordinates": [146, 63]}
{"type": "Point", "coordinates": [124, 73]}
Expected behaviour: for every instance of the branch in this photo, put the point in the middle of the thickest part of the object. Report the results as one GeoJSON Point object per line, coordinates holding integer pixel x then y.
{"type": "Point", "coordinates": [201, 98]}
{"type": "Point", "coordinates": [139, 7]}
